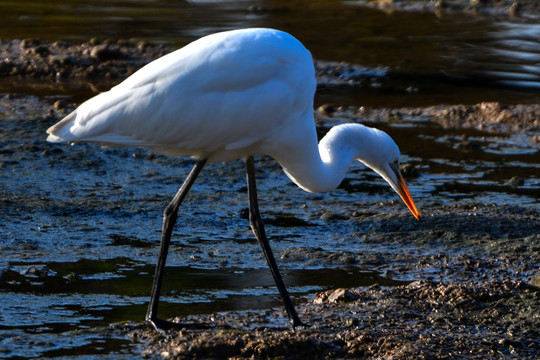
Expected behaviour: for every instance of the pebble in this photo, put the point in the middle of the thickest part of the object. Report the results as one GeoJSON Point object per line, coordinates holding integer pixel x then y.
{"type": "Point", "coordinates": [106, 52]}
{"type": "Point", "coordinates": [516, 181]}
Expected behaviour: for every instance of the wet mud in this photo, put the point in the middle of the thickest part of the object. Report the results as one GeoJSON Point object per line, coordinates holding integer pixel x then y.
{"type": "Point", "coordinates": [472, 302]}
{"type": "Point", "coordinates": [491, 117]}
{"type": "Point", "coordinates": [479, 296]}
{"type": "Point", "coordinates": [100, 64]}
{"type": "Point", "coordinates": [422, 320]}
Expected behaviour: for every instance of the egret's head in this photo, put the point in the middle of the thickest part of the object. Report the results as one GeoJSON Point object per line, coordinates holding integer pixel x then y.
{"type": "Point", "coordinates": [381, 154]}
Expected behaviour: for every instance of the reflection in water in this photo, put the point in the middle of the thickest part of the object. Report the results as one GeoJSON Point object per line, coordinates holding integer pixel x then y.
{"type": "Point", "coordinates": [518, 48]}
{"type": "Point", "coordinates": [508, 54]}
{"type": "Point", "coordinates": [165, 20]}
{"type": "Point", "coordinates": [70, 314]}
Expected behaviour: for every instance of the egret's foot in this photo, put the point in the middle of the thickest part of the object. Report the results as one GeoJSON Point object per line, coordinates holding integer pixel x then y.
{"type": "Point", "coordinates": [299, 324]}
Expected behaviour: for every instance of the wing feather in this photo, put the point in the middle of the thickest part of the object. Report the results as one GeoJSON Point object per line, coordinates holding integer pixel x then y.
{"type": "Point", "coordinates": [224, 92]}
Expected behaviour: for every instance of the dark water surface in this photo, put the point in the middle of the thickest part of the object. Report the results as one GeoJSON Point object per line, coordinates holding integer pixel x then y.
{"type": "Point", "coordinates": [424, 59]}
{"type": "Point", "coordinates": [80, 225]}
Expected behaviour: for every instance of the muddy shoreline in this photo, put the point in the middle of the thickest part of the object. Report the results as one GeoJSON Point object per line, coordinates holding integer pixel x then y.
{"type": "Point", "coordinates": [430, 320]}
{"type": "Point", "coordinates": [480, 303]}
{"type": "Point", "coordinates": [98, 65]}
{"type": "Point", "coordinates": [472, 304]}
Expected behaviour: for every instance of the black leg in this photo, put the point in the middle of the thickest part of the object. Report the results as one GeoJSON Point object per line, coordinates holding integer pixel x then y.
{"type": "Point", "coordinates": [258, 229]}
{"type": "Point", "coordinates": [169, 219]}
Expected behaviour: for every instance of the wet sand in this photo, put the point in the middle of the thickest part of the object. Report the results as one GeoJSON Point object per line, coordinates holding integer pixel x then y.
{"type": "Point", "coordinates": [479, 297]}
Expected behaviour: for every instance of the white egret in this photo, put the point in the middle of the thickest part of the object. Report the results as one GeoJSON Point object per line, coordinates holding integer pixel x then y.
{"type": "Point", "coordinates": [227, 96]}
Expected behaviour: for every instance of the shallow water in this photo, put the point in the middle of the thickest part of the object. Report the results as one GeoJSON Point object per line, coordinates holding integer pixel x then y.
{"type": "Point", "coordinates": [423, 59]}
{"type": "Point", "coordinates": [80, 225]}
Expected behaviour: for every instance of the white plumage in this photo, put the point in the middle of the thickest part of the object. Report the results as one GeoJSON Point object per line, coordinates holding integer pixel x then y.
{"type": "Point", "coordinates": [213, 98]}
{"type": "Point", "coordinates": [226, 96]}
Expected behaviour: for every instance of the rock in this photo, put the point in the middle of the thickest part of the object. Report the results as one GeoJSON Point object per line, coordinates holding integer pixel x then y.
{"type": "Point", "coordinates": [535, 280]}
{"type": "Point", "coordinates": [61, 60]}
{"type": "Point", "coordinates": [335, 296]}
{"type": "Point", "coordinates": [105, 52]}
{"type": "Point", "coordinates": [60, 104]}
{"type": "Point", "coordinates": [409, 171]}
{"type": "Point", "coordinates": [516, 181]}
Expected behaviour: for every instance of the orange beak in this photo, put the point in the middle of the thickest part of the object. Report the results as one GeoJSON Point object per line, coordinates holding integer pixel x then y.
{"type": "Point", "coordinates": [406, 197]}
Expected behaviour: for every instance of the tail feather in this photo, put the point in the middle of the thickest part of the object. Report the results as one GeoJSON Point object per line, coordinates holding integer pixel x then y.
{"type": "Point", "coordinates": [55, 132]}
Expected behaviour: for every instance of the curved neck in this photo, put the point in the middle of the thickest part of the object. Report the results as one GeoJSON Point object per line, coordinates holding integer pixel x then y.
{"type": "Point", "coordinates": [322, 168]}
